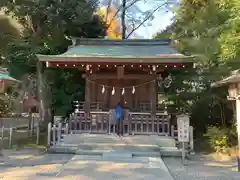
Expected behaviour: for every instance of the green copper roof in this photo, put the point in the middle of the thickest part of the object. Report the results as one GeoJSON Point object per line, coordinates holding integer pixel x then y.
{"type": "Point", "coordinates": [7, 77]}
{"type": "Point", "coordinates": [145, 48]}
{"type": "Point", "coordinates": [120, 50]}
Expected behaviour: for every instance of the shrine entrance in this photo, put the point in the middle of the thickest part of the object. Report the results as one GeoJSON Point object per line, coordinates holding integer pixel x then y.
{"type": "Point", "coordinates": [126, 71]}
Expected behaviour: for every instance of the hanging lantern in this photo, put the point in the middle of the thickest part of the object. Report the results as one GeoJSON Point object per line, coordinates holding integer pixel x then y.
{"type": "Point", "coordinates": [113, 91]}
{"type": "Point", "coordinates": [87, 67]}
{"type": "Point", "coordinates": [103, 89]}
{"type": "Point", "coordinates": [154, 68]}
{"type": "Point", "coordinates": [123, 91]}
{"type": "Point", "coordinates": [133, 90]}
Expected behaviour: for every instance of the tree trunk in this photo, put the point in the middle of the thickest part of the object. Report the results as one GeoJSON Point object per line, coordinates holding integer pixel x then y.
{"type": "Point", "coordinates": [41, 95]}
{"type": "Point", "coordinates": [123, 19]}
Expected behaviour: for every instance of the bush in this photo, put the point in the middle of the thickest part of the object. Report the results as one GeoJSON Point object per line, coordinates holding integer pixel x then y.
{"type": "Point", "coordinates": [5, 105]}
{"type": "Point", "coordinates": [232, 134]}
{"type": "Point", "coordinates": [218, 138]}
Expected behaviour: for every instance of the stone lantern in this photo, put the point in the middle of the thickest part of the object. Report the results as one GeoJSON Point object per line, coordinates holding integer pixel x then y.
{"type": "Point", "coordinates": [233, 84]}
{"type": "Point", "coordinates": [233, 90]}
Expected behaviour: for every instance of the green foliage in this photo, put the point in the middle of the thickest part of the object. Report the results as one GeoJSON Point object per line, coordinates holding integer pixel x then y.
{"type": "Point", "coordinates": [166, 33]}
{"type": "Point", "coordinates": [5, 105]}
{"type": "Point", "coordinates": [218, 138]}
{"type": "Point", "coordinates": [8, 32]}
{"type": "Point", "coordinates": [47, 26]}
{"type": "Point", "coordinates": [208, 30]}
{"type": "Point", "coordinates": [64, 93]}
{"type": "Point", "coordinates": [230, 36]}
{"type": "Point", "coordinates": [211, 30]}
{"type": "Point", "coordinates": [221, 138]}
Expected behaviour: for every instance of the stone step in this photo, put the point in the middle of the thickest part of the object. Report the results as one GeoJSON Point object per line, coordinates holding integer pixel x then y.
{"type": "Point", "coordinates": [62, 149]}
{"type": "Point", "coordinates": [117, 155]}
{"type": "Point", "coordinates": [172, 152]}
{"type": "Point", "coordinates": [136, 152]}
{"type": "Point", "coordinates": [163, 151]}
{"type": "Point", "coordinates": [162, 141]}
{"type": "Point", "coordinates": [137, 146]}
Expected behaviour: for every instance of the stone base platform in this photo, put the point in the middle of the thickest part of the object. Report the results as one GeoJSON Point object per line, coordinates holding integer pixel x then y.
{"type": "Point", "coordinates": [99, 144]}
{"type": "Point", "coordinates": [108, 168]}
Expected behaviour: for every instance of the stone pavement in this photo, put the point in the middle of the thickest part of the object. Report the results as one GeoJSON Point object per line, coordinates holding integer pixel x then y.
{"type": "Point", "coordinates": [64, 167]}
{"type": "Point", "coordinates": [28, 165]}
{"type": "Point", "coordinates": [81, 167]}
{"type": "Point", "coordinates": [202, 169]}
{"type": "Point", "coordinates": [92, 144]}
{"type": "Point", "coordinates": [153, 140]}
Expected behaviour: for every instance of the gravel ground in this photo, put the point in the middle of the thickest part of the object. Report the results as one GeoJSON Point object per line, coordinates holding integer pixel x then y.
{"type": "Point", "coordinates": [200, 168]}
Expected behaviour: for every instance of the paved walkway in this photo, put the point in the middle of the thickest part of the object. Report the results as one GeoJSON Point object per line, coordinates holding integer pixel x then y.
{"type": "Point", "coordinates": [200, 168]}
{"type": "Point", "coordinates": [28, 165]}
{"type": "Point", "coordinates": [81, 167]}
{"type": "Point", "coordinates": [76, 167]}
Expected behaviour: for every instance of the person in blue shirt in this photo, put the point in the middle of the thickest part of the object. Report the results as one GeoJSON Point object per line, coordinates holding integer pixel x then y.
{"type": "Point", "coordinates": [119, 111]}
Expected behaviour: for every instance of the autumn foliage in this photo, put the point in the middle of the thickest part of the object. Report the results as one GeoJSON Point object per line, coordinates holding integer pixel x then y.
{"type": "Point", "coordinates": [113, 24]}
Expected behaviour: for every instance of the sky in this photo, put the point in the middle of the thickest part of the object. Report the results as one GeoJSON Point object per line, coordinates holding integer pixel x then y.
{"type": "Point", "coordinates": [160, 22]}
{"type": "Point", "coordinates": [162, 18]}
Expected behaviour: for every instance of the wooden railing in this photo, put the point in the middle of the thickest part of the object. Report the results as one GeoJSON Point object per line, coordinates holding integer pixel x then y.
{"type": "Point", "coordinates": [94, 122]}
{"type": "Point", "coordinates": [56, 131]}
{"type": "Point", "coordinates": [134, 123]}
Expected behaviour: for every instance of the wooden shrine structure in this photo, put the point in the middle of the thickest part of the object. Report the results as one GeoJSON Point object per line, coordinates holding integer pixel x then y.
{"type": "Point", "coordinates": [121, 71]}
{"type": "Point", "coordinates": [5, 80]}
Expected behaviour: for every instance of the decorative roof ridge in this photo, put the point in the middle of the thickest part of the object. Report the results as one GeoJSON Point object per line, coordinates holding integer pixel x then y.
{"type": "Point", "coordinates": [234, 77]}
{"type": "Point", "coordinates": [235, 72]}
{"type": "Point", "coordinates": [126, 42]}
{"type": "Point", "coordinates": [4, 70]}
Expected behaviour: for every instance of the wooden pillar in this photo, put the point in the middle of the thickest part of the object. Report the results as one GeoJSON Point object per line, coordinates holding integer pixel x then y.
{"type": "Point", "coordinates": [106, 96]}
{"type": "Point", "coordinates": [153, 98]}
{"type": "Point", "coordinates": [134, 97]}
{"type": "Point", "coordinates": [238, 130]}
{"type": "Point", "coordinates": [87, 96]}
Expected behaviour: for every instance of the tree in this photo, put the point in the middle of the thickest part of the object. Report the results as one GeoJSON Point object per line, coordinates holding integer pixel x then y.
{"type": "Point", "coordinates": [132, 17]}
{"type": "Point", "coordinates": [204, 29]}
{"type": "Point", "coordinates": [9, 30]}
{"type": "Point", "coordinates": [166, 33]}
{"type": "Point", "coordinates": [47, 27]}
{"type": "Point", "coordinates": [5, 105]}
{"type": "Point", "coordinates": [113, 24]}
{"type": "Point", "coordinates": [230, 36]}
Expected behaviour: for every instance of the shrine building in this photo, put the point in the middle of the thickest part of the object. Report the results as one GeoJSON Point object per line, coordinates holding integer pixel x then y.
{"type": "Point", "coordinates": [121, 71]}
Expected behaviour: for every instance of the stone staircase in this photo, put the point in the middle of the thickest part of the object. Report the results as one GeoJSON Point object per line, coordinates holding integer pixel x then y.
{"type": "Point", "coordinates": [112, 145]}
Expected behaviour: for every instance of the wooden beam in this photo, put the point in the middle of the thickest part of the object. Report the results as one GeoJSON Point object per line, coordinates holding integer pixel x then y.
{"type": "Point", "coordinates": [114, 76]}
{"type": "Point", "coordinates": [120, 72]}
